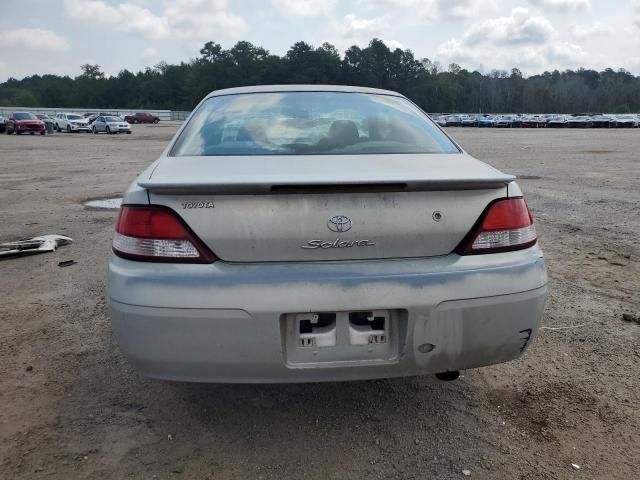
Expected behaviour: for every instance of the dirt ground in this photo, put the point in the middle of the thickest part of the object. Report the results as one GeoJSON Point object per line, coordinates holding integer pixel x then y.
{"type": "Point", "coordinates": [72, 408]}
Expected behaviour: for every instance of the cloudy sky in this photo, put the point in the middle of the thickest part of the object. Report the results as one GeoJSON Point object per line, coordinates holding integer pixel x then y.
{"type": "Point", "coordinates": [44, 36]}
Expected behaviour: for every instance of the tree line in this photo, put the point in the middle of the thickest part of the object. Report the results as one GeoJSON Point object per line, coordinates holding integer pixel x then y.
{"type": "Point", "coordinates": [433, 87]}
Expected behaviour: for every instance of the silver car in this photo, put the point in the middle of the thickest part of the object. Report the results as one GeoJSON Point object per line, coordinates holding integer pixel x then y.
{"type": "Point", "coordinates": [321, 233]}
{"type": "Point", "coordinates": [110, 124]}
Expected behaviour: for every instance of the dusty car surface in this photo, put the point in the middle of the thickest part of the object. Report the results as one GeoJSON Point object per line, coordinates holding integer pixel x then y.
{"type": "Point", "coordinates": [319, 233]}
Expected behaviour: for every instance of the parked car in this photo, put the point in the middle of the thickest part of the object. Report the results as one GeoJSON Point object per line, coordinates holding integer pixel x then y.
{"type": "Point", "coordinates": [625, 121]}
{"type": "Point", "coordinates": [49, 123]}
{"type": "Point", "coordinates": [601, 121]}
{"type": "Point", "coordinates": [2, 124]}
{"type": "Point", "coordinates": [441, 120]}
{"type": "Point", "coordinates": [90, 116]}
{"type": "Point", "coordinates": [578, 121]}
{"type": "Point", "coordinates": [503, 121]}
{"type": "Point", "coordinates": [485, 121]}
{"type": "Point", "coordinates": [24, 122]}
{"type": "Point", "coordinates": [71, 122]}
{"type": "Point", "coordinates": [467, 121]}
{"type": "Point", "coordinates": [558, 121]}
{"type": "Point", "coordinates": [516, 120]}
{"type": "Point", "coordinates": [45, 118]}
{"type": "Point", "coordinates": [533, 121]}
{"type": "Point", "coordinates": [346, 238]}
{"type": "Point", "coordinates": [142, 117]}
{"type": "Point", "coordinates": [110, 124]}
{"type": "Point", "coordinates": [93, 116]}
{"type": "Point", "coordinates": [452, 121]}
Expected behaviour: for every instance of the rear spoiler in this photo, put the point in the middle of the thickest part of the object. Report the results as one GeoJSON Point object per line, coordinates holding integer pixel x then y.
{"type": "Point", "coordinates": [237, 186]}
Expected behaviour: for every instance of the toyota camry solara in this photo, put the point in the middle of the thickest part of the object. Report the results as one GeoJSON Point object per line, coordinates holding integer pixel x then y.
{"type": "Point", "coordinates": [320, 233]}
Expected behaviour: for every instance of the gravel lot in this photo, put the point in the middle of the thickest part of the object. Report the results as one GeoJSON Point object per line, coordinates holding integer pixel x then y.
{"type": "Point", "coordinates": [72, 408]}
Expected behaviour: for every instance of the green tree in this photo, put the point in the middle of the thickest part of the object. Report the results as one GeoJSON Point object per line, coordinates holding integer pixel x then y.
{"type": "Point", "coordinates": [181, 86]}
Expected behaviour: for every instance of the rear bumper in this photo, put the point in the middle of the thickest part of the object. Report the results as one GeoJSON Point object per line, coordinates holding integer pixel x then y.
{"type": "Point", "coordinates": [225, 322]}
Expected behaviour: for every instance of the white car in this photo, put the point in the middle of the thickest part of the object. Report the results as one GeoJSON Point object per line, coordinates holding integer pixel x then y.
{"type": "Point", "coordinates": [71, 122]}
{"type": "Point", "coordinates": [110, 124]}
{"type": "Point", "coordinates": [317, 233]}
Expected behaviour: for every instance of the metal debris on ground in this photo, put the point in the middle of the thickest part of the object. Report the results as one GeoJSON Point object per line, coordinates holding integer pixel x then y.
{"type": "Point", "coordinates": [631, 317]}
{"type": "Point", "coordinates": [108, 203]}
{"type": "Point", "coordinates": [67, 263]}
{"type": "Point", "coordinates": [41, 244]}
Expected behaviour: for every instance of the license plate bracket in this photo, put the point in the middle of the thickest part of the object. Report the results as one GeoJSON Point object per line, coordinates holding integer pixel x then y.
{"type": "Point", "coordinates": [347, 338]}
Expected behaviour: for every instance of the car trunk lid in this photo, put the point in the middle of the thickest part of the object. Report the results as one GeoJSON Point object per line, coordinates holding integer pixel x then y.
{"type": "Point", "coordinates": [324, 207]}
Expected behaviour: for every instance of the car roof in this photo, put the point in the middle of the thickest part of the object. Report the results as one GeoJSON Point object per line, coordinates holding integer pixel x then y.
{"type": "Point", "coordinates": [301, 88]}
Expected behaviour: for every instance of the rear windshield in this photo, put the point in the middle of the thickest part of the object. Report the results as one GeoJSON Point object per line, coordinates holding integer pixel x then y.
{"type": "Point", "coordinates": [309, 123]}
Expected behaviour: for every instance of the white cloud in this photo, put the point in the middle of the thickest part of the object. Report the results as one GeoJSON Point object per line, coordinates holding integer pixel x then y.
{"type": "Point", "coordinates": [125, 17]}
{"type": "Point", "coordinates": [34, 38]}
{"type": "Point", "coordinates": [188, 19]}
{"type": "Point", "coordinates": [393, 44]}
{"type": "Point", "coordinates": [305, 8]}
{"type": "Point", "coordinates": [519, 40]}
{"type": "Point", "coordinates": [526, 57]}
{"type": "Point", "coordinates": [564, 53]}
{"type": "Point", "coordinates": [355, 27]}
{"type": "Point", "coordinates": [453, 50]}
{"type": "Point", "coordinates": [447, 9]}
{"type": "Point", "coordinates": [149, 52]}
{"type": "Point", "coordinates": [203, 20]}
{"type": "Point", "coordinates": [435, 10]}
{"type": "Point", "coordinates": [563, 5]}
{"type": "Point", "coordinates": [591, 30]}
{"type": "Point", "coordinates": [520, 27]}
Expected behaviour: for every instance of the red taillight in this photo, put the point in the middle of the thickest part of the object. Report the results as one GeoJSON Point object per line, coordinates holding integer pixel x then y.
{"type": "Point", "coordinates": [157, 234]}
{"type": "Point", "coordinates": [506, 225]}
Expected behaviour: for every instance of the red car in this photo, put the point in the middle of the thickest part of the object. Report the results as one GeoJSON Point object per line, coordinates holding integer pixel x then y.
{"type": "Point", "coordinates": [23, 122]}
{"type": "Point", "coordinates": [142, 118]}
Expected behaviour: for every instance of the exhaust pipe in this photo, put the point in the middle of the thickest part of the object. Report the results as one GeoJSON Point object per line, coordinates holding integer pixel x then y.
{"type": "Point", "coordinates": [448, 376]}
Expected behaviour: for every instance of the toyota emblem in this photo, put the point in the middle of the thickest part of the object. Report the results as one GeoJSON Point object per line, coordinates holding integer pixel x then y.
{"type": "Point", "coordinates": [339, 224]}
